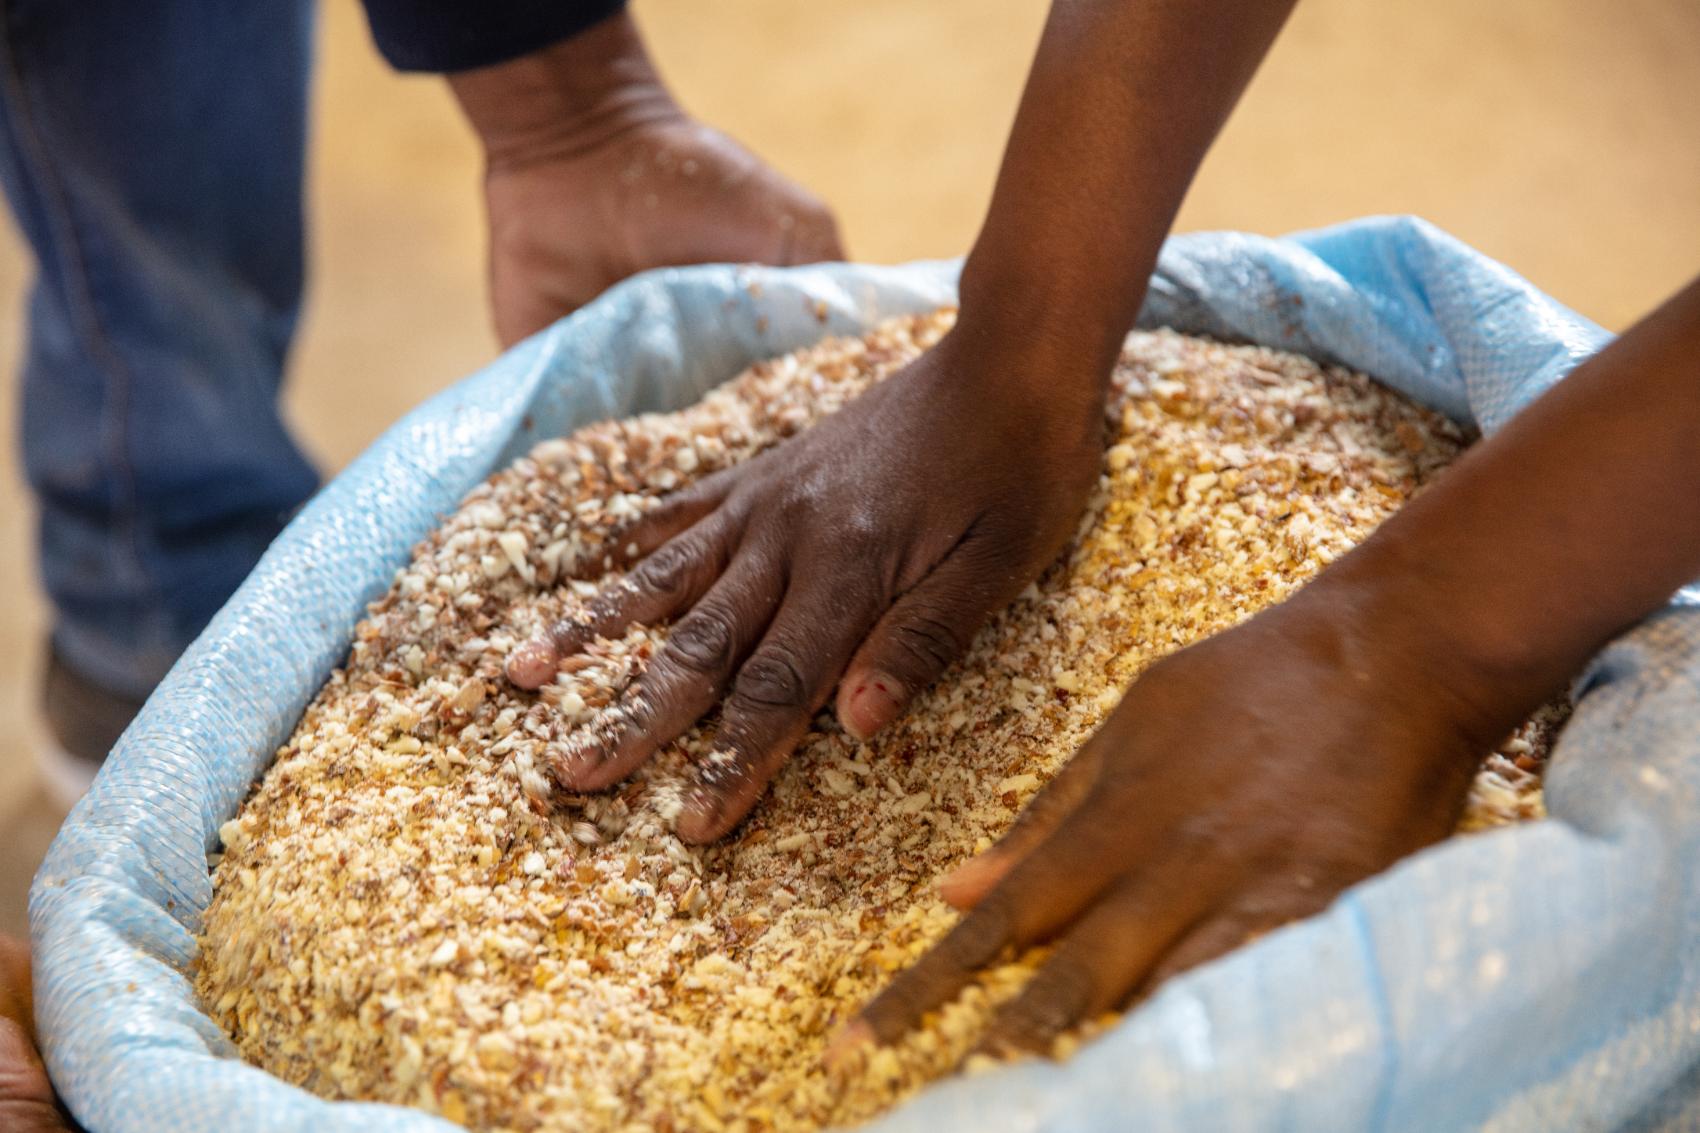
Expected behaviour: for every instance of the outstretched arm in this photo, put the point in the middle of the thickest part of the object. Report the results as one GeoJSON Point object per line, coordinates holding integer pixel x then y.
{"type": "Point", "coordinates": [1247, 780]}
{"type": "Point", "coordinates": [1123, 101]}
{"type": "Point", "coordinates": [864, 554]}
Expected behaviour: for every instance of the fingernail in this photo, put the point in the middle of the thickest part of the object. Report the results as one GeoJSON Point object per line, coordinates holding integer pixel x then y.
{"type": "Point", "coordinates": [578, 763]}
{"type": "Point", "coordinates": [533, 664]}
{"type": "Point", "coordinates": [699, 822]}
{"type": "Point", "coordinates": [848, 1046]}
{"type": "Point", "coordinates": [963, 886]}
{"type": "Point", "coordinates": [872, 704]}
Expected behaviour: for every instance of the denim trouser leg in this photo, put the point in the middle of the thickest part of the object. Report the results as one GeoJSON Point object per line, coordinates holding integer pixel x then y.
{"type": "Point", "coordinates": [152, 153]}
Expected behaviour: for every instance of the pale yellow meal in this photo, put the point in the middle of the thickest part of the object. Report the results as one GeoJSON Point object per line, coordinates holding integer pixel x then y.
{"type": "Point", "coordinates": [408, 909]}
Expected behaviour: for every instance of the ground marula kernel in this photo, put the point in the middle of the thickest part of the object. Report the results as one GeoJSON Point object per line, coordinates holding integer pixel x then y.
{"type": "Point", "coordinates": [409, 910]}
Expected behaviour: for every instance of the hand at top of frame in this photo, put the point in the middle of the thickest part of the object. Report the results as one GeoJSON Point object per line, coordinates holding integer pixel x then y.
{"type": "Point", "coordinates": [594, 173]}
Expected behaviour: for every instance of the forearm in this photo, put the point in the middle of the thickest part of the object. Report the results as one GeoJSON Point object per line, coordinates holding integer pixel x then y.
{"type": "Point", "coordinates": [1123, 100]}
{"type": "Point", "coordinates": [1548, 539]}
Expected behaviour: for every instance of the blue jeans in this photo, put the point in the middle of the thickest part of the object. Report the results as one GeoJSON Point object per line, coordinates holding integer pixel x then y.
{"type": "Point", "coordinates": [152, 153]}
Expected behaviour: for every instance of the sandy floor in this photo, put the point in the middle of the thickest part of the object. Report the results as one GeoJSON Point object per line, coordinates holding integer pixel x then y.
{"type": "Point", "coordinates": [1557, 135]}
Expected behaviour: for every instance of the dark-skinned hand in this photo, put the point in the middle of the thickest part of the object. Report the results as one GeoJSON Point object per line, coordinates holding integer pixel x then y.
{"type": "Point", "coordinates": [872, 546]}
{"type": "Point", "coordinates": [668, 190]}
{"type": "Point", "coordinates": [593, 173]}
{"type": "Point", "coordinates": [1246, 781]}
{"type": "Point", "coordinates": [27, 1104]}
{"type": "Point", "coordinates": [1242, 783]}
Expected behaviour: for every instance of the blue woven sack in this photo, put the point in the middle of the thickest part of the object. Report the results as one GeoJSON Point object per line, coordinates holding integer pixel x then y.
{"type": "Point", "coordinates": [1539, 978]}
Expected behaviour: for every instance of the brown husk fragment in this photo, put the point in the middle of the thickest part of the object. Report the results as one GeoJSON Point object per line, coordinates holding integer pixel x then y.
{"type": "Point", "coordinates": [407, 909]}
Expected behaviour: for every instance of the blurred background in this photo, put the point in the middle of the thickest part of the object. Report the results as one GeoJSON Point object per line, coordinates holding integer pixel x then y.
{"type": "Point", "coordinates": [1560, 136]}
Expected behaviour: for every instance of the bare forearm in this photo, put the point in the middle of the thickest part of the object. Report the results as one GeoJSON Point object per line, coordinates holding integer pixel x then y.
{"type": "Point", "coordinates": [1124, 99]}
{"type": "Point", "coordinates": [1576, 520]}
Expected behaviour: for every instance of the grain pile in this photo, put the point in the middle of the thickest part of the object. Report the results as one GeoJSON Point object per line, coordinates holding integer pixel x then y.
{"type": "Point", "coordinates": [407, 911]}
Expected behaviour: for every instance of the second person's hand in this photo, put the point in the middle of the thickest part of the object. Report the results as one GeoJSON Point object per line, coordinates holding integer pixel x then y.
{"type": "Point", "coordinates": [871, 547]}
{"type": "Point", "coordinates": [27, 1104]}
{"type": "Point", "coordinates": [593, 173]}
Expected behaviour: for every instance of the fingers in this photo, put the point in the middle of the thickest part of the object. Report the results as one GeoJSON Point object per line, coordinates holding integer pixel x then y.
{"type": "Point", "coordinates": [685, 678]}
{"type": "Point", "coordinates": [967, 885]}
{"type": "Point", "coordinates": [1284, 901]}
{"type": "Point", "coordinates": [1215, 937]}
{"type": "Point", "coordinates": [1047, 890]}
{"type": "Point", "coordinates": [520, 312]}
{"type": "Point", "coordinates": [808, 232]}
{"type": "Point", "coordinates": [934, 979]}
{"type": "Point", "coordinates": [673, 516]}
{"type": "Point", "coordinates": [922, 633]}
{"type": "Point", "coordinates": [663, 585]}
{"type": "Point", "coordinates": [776, 694]}
{"type": "Point", "coordinates": [1104, 956]}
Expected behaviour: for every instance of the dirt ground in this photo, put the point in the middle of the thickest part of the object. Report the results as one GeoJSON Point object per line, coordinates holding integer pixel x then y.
{"type": "Point", "coordinates": [1557, 135]}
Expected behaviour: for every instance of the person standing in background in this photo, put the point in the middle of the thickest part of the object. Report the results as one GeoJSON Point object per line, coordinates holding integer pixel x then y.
{"type": "Point", "coordinates": [153, 159]}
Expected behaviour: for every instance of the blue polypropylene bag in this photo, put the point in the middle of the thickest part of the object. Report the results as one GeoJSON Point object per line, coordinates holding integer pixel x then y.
{"type": "Point", "coordinates": [1539, 978]}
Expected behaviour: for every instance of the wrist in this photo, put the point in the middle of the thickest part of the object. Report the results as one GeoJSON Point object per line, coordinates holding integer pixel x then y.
{"type": "Point", "coordinates": [1437, 645]}
{"type": "Point", "coordinates": [1029, 363]}
{"type": "Point", "coordinates": [1034, 345]}
{"type": "Point", "coordinates": [566, 99]}
{"type": "Point", "coordinates": [1077, 306]}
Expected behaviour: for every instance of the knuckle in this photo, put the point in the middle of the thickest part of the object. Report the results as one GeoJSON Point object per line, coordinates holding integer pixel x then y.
{"type": "Point", "coordinates": [703, 640]}
{"type": "Point", "coordinates": [927, 644]}
{"type": "Point", "coordinates": [668, 570]}
{"type": "Point", "coordinates": [978, 939]}
{"type": "Point", "coordinates": [568, 634]}
{"type": "Point", "coordinates": [895, 1009]}
{"type": "Point", "coordinates": [1054, 1002]}
{"type": "Point", "coordinates": [772, 679]}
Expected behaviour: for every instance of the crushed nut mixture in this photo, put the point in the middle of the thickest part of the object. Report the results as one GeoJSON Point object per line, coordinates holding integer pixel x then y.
{"type": "Point", "coordinates": [408, 910]}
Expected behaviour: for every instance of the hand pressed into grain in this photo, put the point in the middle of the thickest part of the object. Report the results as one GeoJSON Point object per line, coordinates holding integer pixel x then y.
{"type": "Point", "coordinates": [1241, 784]}
{"type": "Point", "coordinates": [869, 548]}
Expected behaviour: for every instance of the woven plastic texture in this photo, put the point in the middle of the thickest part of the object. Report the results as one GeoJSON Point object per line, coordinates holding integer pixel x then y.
{"type": "Point", "coordinates": [1540, 978]}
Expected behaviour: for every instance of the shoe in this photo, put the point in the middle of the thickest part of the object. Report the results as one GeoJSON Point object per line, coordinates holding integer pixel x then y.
{"type": "Point", "coordinates": [81, 723]}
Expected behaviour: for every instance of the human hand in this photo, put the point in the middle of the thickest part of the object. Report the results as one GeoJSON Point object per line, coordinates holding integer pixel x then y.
{"type": "Point", "coordinates": [667, 191]}
{"type": "Point", "coordinates": [1242, 783]}
{"type": "Point", "coordinates": [594, 173]}
{"type": "Point", "coordinates": [872, 546]}
{"type": "Point", "coordinates": [26, 1096]}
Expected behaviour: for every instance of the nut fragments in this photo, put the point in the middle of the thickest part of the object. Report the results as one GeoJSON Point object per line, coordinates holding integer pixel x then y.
{"type": "Point", "coordinates": [408, 911]}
